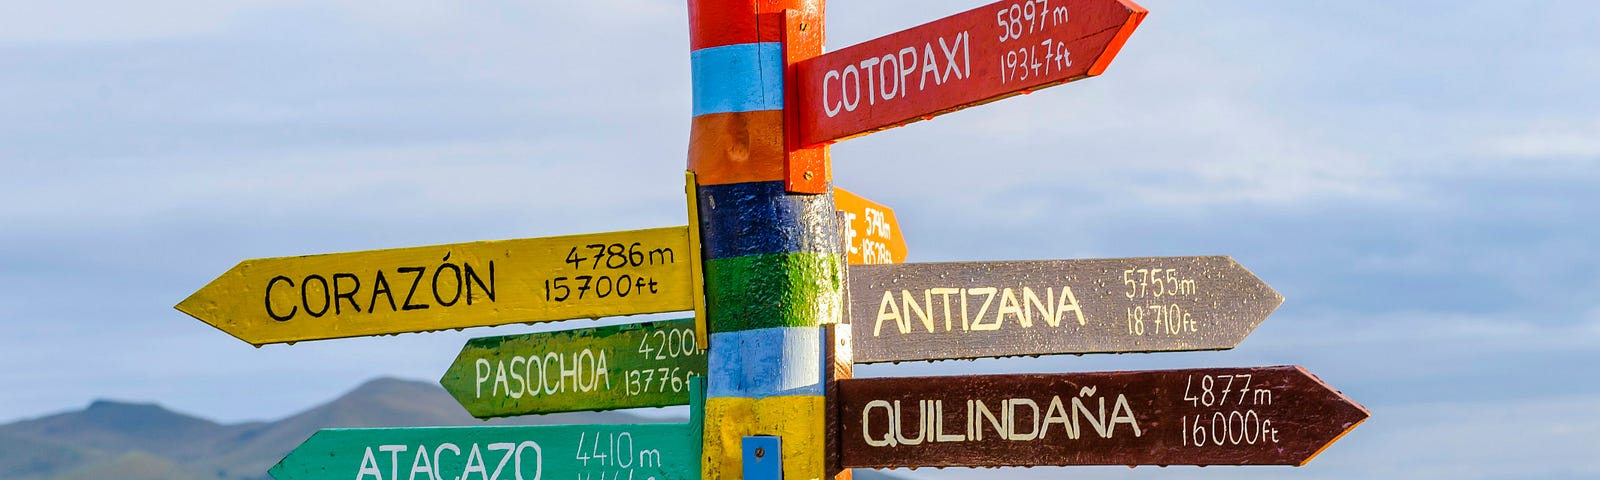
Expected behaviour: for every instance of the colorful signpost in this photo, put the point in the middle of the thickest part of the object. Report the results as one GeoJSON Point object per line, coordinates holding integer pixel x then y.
{"type": "Point", "coordinates": [971, 58]}
{"type": "Point", "coordinates": [602, 368]}
{"type": "Point", "coordinates": [1207, 416]}
{"type": "Point", "coordinates": [763, 112]}
{"type": "Point", "coordinates": [871, 233]}
{"type": "Point", "coordinates": [421, 289]}
{"type": "Point", "coordinates": [658, 451]}
{"type": "Point", "coordinates": [934, 311]}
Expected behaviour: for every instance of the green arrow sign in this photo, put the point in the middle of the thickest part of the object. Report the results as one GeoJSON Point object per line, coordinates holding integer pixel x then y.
{"type": "Point", "coordinates": [623, 366]}
{"type": "Point", "coordinates": [662, 451]}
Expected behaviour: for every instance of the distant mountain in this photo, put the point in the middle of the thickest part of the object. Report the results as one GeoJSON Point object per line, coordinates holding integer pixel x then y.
{"type": "Point", "coordinates": [132, 441]}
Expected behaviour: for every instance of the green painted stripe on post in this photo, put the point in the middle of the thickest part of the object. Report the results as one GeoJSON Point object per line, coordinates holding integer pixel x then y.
{"type": "Point", "coordinates": [776, 290]}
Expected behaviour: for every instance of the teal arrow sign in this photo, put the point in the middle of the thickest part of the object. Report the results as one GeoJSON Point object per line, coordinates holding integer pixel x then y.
{"type": "Point", "coordinates": [661, 451]}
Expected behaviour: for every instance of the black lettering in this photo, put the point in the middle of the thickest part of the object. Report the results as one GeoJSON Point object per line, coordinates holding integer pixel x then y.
{"type": "Point", "coordinates": [305, 300]}
{"type": "Point", "coordinates": [340, 294]}
{"type": "Point", "coordinates": [472, 276]}
{"type": "Point", "coordinates": [414, 282]}
{"type": "Point", "coordinates": [270, 313]}
{"type": "Point", "coordinates": [436, 273]}
{"type": "Point", "coordinates": [380, 285]}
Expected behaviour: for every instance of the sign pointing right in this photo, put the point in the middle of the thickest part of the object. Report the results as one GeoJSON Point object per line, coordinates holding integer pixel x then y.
{"type": "Point", "coordinates": [1206, 416]}
{"type": "Point", "coordinates": [978, 56]}
{"type": "Point", "coordinates": [936, 311]}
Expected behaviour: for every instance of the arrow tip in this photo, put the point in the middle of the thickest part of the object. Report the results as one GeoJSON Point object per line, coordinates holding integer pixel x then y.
{"type": "Point", "coordinates": [1344, 410]}
{"type": "Point", "coordinates": [208, 303]}
{"type": "Point", "coordinates": [1136, 15]}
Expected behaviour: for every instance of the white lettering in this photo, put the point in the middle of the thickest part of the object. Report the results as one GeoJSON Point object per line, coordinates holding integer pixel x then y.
{"type": "Point", "coordinates": [828, 108]}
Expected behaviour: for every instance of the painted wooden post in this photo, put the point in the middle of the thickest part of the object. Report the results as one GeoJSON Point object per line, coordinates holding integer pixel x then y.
{"type": "Point", "coordinates": [773, 268]}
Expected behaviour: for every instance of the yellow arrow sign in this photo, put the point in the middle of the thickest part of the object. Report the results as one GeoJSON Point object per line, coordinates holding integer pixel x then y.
{"type": "Point", "coordinates": [417, 289]}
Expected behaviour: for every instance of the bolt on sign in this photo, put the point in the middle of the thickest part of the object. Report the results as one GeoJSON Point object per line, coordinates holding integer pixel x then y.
{"type": "Point", "coordinates": [934, 311]}
{"type": "Point", "coordinates": [970, 58]}
{"type": "Point", "coordinates": [663, 451]}
{"type": "Point", "coordinates": [871, 232]}
{"type": "Point", "coordinates": [601, 368]}
{"type": "Point", "coordinates": [419, 289]}
{"type": "Point", "coordinates": [1207, 416]}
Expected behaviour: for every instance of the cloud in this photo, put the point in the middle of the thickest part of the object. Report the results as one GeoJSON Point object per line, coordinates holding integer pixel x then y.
{"type": "Point", "coordinates": [1575, 141]}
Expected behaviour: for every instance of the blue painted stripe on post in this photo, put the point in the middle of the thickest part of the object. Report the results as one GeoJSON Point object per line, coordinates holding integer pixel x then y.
{"type": "Point", "coordinates": [758, 218]}
{"type": "Point", "coordinates": [737, 78]}
{"type": "Point", "coordinates": [767, 362]}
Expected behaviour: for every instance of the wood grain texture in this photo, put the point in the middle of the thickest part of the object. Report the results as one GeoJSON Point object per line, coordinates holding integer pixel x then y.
{"type": "Point", "coordinates": [1208, 416]}
{"type": "Point", "coordinates": [971, 58]}
{"type": "Point", "coordinates": [933, 311]}
{"type": "Point", "coordinates": [714, 23]}
{"type": "Point", "coordinates": [419, 289]}
{"type": "Point", "coordinates": [601, 368]}
{"type": "Point", "coordinates": [806, 170]}
{"type": "Point", "coordinates": [737, 147]}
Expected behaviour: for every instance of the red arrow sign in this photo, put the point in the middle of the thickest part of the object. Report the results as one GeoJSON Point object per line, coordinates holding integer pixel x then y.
{"type": "Point", "coordinates": [979, 56]}
{"type": "Point", "coordinates": [1207, 416]}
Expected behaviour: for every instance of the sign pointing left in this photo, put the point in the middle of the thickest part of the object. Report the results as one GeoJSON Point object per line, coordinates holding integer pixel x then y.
{"type": "Point", "coordinates": [417, 289]}
{"type": "Point", "coordinates": [651, 451]}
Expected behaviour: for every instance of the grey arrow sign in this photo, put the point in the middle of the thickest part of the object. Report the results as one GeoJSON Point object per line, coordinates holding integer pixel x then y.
{"type": "Point", "coordinates": [936, 311]}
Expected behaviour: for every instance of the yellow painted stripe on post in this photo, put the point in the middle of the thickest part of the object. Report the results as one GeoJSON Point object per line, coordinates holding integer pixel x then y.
{"type": "Point", "coordinates": [728, 420]}
{"type": "Point", "coordinates": [418, 289]}
{"type": "Point", "coordinates": [798, 419]}
{"type": "Point", "coordinates": [701, 335]}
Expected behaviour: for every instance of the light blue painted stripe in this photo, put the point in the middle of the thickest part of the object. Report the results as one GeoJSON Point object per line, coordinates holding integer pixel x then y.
{"type": "Point", "coordinates": [767, 362]}
{"type": "Point", "coordinates": [746, 77]}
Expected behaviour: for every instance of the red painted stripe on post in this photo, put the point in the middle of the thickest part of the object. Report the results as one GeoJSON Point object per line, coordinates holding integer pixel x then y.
{"type": "Point", "coordinates": [715, 23]}
{"type": "Point", "coordinates": [737, 147]}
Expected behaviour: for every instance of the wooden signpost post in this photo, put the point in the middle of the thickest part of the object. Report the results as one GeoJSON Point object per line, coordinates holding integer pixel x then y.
{"type": "Point", "coordinates": [660, 451]}
{"type": "Point", "coordinates": [421, 289]}
{"type": "Point", "coordinates": [602, 368]}
{"type": "Point", "coordinates": [934, 311]}
{"type": "Point", "coordinates": [970, 58]}
{"type": "Point", "coordinates": [871, 232]}
{"type": "Point", "coordinates": [1208, 416]}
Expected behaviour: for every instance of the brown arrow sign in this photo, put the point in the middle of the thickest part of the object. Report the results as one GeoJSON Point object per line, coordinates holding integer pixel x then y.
{"type": "Point", "coordinates": [934, 311]}
{"type": "Point", "coordinates": [1208, 416]}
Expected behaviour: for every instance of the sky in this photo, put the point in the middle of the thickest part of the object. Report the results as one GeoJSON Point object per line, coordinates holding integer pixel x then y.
{"type": "Point", "coordinates": [1419, 180]}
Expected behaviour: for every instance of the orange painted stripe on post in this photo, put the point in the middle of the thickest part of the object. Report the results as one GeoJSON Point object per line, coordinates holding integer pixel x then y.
{"type": "Point", "coordinates": [1115, 46]}
{"type": "Point", "coordinates": [806, 170]}
{"type": "Point", "coordinates": [737, 147]}
{"type": "Point", "coordinates": [716, 23]}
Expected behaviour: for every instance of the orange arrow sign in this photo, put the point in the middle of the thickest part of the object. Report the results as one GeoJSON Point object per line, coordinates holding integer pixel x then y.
{"type": "Point", "coordinates": [872, 235]}
{"type": "Point", "coordinates": [971, 58]}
